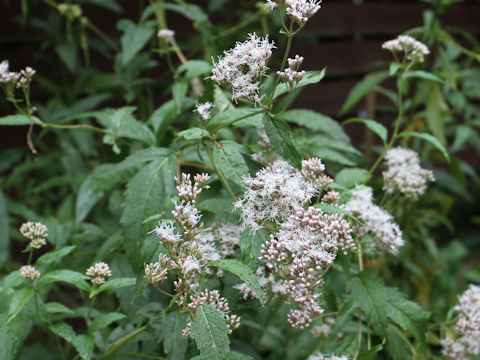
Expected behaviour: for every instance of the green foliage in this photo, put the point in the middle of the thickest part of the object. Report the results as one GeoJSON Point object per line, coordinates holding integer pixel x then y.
{"type": "Point", "coordinates": [104, 144]}
{"type": "Point", "coordinates": [210, 333]}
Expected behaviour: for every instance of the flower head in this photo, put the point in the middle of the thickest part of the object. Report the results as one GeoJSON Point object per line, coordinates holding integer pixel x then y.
{"type": "Point", "coordinates": [204, 111]}
{"type": "Point", "coordinates": [302, 10]}
{"type": "Point", "coordinates": [99, 272]}
{"type": "Point", "coordinates": [414, 50]}
{"type": "Point", "coordinates": [242, 67]}
{"type": "Point", "coordinates": [405, 174]}
{"type": "Point", "coordinates": [468, 327]}
{"type": "Point", "coordinates": [387, 236]}
{"type": "Point", "coordinates": [36, 232]}
{"type": "Point", "coordinates": [29, 272]}
{"type": "Point", "coordinates": [166, 34]}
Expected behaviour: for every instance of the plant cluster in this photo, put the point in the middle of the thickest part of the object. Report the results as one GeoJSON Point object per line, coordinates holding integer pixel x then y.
{"type": "Point", "coordinates": [223, 224]}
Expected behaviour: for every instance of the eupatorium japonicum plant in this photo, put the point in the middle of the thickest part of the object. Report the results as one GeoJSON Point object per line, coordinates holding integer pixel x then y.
{"type": "Point", "coordinates": [209, 228]}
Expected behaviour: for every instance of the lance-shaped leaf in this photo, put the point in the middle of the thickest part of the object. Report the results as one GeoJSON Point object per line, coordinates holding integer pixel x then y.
{"type": "Point", "coordinates": [243, 272]}
{"type": "Point", "coordinates": [210, 333]}
{"type": "Point", "coordinates": [228, 158]}
{"type": "Point", "coordinates": [19, 299]}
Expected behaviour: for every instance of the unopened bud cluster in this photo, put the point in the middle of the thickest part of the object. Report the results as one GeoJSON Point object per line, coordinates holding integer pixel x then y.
{"type": "Point", "coordinates": [405, 174]}
{"type": "Point", "coordinates": [320, 356]}
{"type": "Point", "coordinates": [29, 272]}
{"type": "Point", "coordinates": [189, 247]}
{"type": "Point", "coordinates": [99, 272]}
{"type": "Point", "coordinates": [166, 34]}
{"type": "Point", "coordinates": [10, 80]}
{"type": "Point", "coordinates": [214, 299]}
{"type": "Point", "coordinates": [292, 74]}
{"type": "Point", "coordinates": [467, 340]}
{"type": "Point", "coordinates": [414, 50]}
{"type": "Point", "coordinates": [36, 232]}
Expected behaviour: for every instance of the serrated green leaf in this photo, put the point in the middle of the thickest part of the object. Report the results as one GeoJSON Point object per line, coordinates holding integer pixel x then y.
{"type": "Point", "coordinates": [166, 114]}
{"type": "Point", "coordinates": [84, 345]}
{"type": "Point", "coordinates": [19, 299]}
{"type": "Point", "coordinates": [135, 37]}
{"type": "Point", "coordinates": [21, 120]}
{"type": "Point", "coordinates": [376, 127]}
{"type": "Point", "coordinates": [421, 74]}
{"type": "Point", "coordinates": [282, 140]}
{"type": "Point", "coordinates": [174, 343]}
{"type": "Point", "coordinates": [4, 230]}
{"type": "Point", "coordinates": [194, 68]}
{"type": "Point", "coordinates": [408, 314]}
{"type": "Point", "coordinates": [94, 187]}
{"type": "Point", "coordinates": [179, 91]}
{"type": "Point", "coordinates": [54, 256]}
{"type": "Point", "coordinates": [210, 333]}
{"type": "Point", "coordinates": [243, 272]}
{"type": "Point", "coordinates": [315, 121]}
{"type": "Point", "coordinates": [193, 134]}
{"type": "Point", "coordinates": [351, 176]}
{"type": "Point", "coordinates": [232, 116]}
{"type": "Point", "coordinates": [57, 308]}
{"type": "Point", "coordinates": [234, 355]}
{"type": "Point", "coordinates": [362, 88]}
{"type": "Point", "coordinates": [228, 158]}
{"type": "Point", "coordinates": [67, 276]}
{"type": "Point", "coordinates": [113, 284]}
{"type": "Point", "coordinates": [63, 330]}
{"type": "Point", "coordinates": [13, 335]}
{"type": "Point", "coordinates": [434, 113]}
{"type": "Point", "coordinates": [369, 291]}
{"type": "Point", "coordinates": [103, 320]}
{"type": "Point", "coordinates": [147, 194]}
{"type": "Point", "coordinates": [431, 139]}
{"type": "Point", "coordinates": [121, 122]}
{"type": "Point", "coordinates": [371, 354]}
{"type": "Point", "coordinates": [310, 77]}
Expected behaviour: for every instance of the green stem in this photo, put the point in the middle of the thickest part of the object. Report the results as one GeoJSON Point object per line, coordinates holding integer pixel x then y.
{"type": "Point", "coordinates": [284, 61]}
{"type": "Point", "coordinates": [30, 254]}
{"type": "Point", "coordinates": [236, 120]}
{"type": "Point", "coordinates": [122, 341]}
{"type": "Point", "coordinates": [90, 308]}
{"type": "Point", "coordinates": [359, 255]}
{"type": "Point", "coordinates": [392, 140]}
{"type": "Point", "coordinates": [219, 172]}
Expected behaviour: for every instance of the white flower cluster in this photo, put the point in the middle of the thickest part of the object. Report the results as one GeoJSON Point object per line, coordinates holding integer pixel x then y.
{"type": "Point", "coordinates": [324, 330]}
{"type": "Point", "coordinates": [387, 236]}
{"type": "Point", "coordinates": [204, 111]}
{"type": "Point", "coordinates": [99, 272]}
{"type": "Point", "coordinates": [29, 272]}
{"type": "Point", "coordinates": [36, 232]}
{"type": "Point", "coordinates": [299, 10]}
{"type": "Point", "coordinates": [405, 174]}
{"type": "Point", "coordinates": [242, 67]}
{"type": "Point", "coordinates": [414, 50]}
{"type": "Point", "coordinates": [320, 356]}
{"type": "Point", "coordinates": [166, 34]}
{"type": "Point", "coordinates": [219, 241]}
{"type": "Point", "coordinates": [11, 79]}
{"type": "Point", "coordinates": [468, 327]}
{"type": "Point", "coordinates": [292, 73]}
{"type": "Point", "coordinates": [274, 193]}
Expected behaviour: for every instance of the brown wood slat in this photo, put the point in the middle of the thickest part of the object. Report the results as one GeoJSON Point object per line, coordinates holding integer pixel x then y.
{"type": "Point", "coordinates": [385, 18]}
{"type": "Point", "coordinates": [342, 57]}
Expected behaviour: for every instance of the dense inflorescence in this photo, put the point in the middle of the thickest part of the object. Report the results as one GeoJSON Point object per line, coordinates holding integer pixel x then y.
{"type": "Point", "coordinates": [405, 174]}
{"type": "Point", "coordinates": [414, 50]}
{"type": "Point", "coordinates": [242, 67]}
{"type": "Point", "coordinates": [36, 232]}
{"type": "Point", "coordinates": [386, 234]}
{"type": "Point", "coordinates": [99, 272]}
{"type": "Point", "coordinates": [467, 340]}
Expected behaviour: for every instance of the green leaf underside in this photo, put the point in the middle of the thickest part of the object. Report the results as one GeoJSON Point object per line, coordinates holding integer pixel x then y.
{"type": "Point", "coordinates": [376, 127]}
{"type": "Point", "coordinates": [210, 333]}
{"type": "Point", "coordinates": [282, 140]}
{"type": "Point", "coordinates": [243, 272]}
